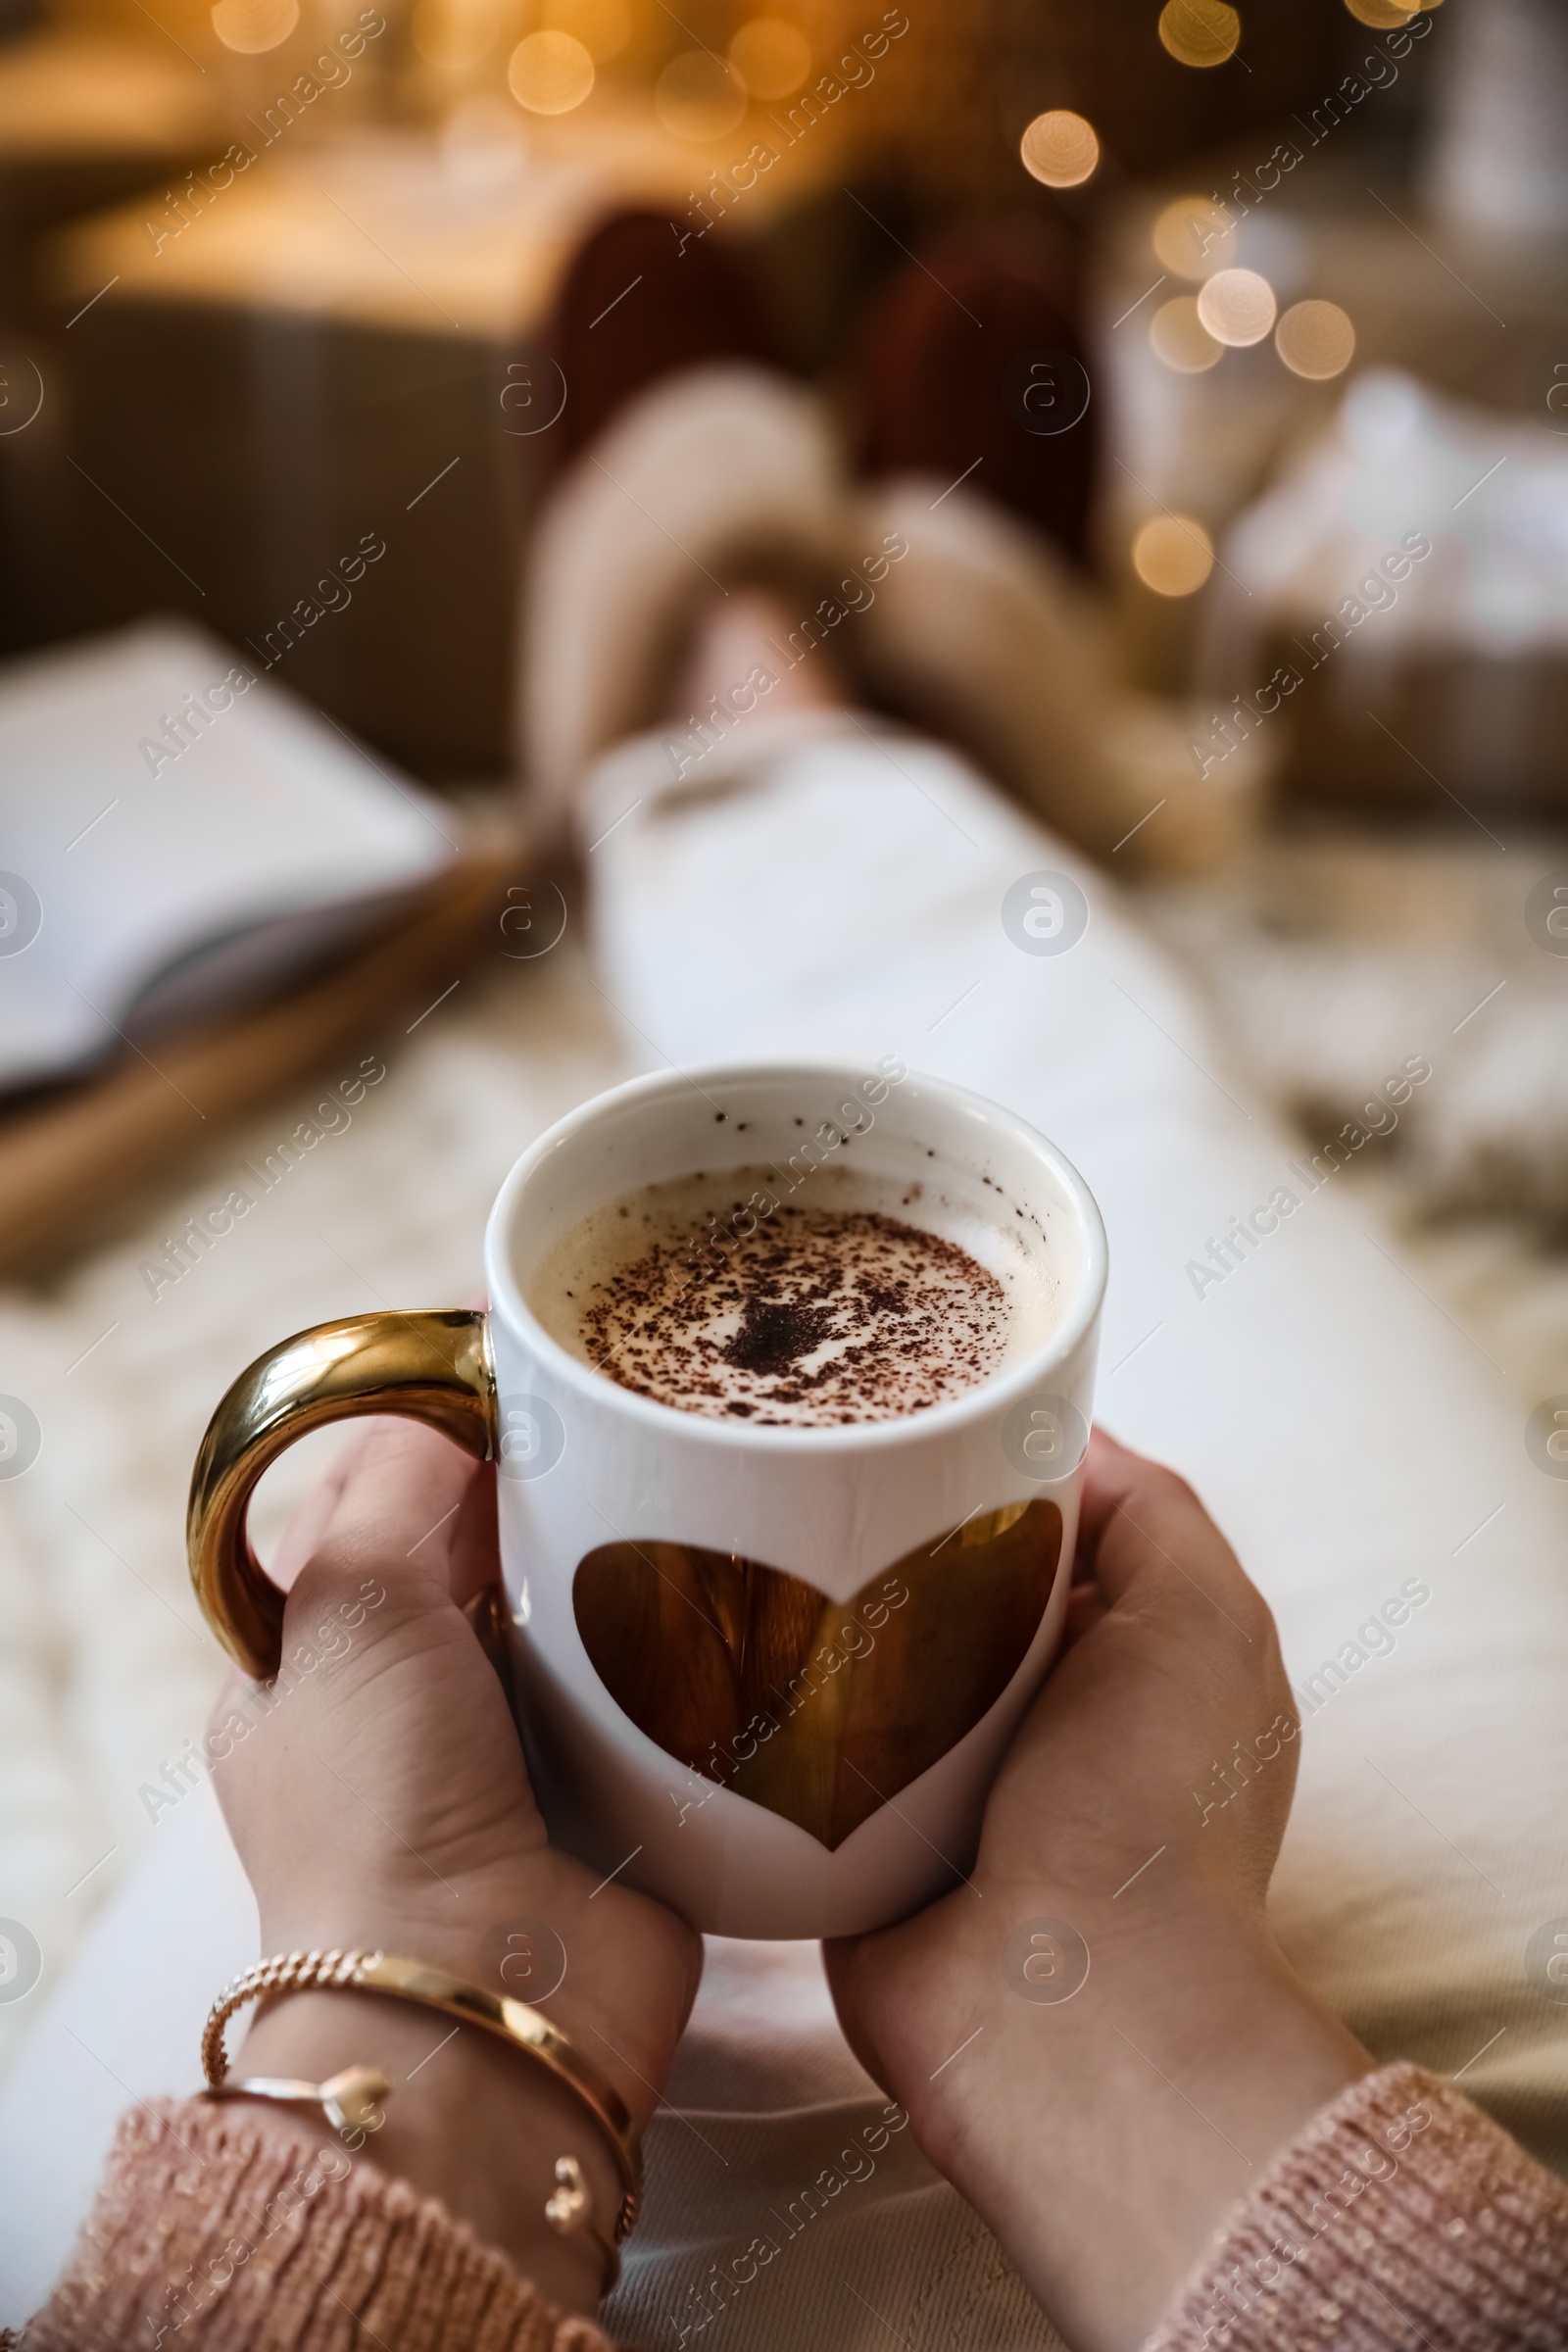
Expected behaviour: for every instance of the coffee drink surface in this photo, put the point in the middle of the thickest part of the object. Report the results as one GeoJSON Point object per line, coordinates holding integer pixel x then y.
{"type": "Point", "coordinates": [846, 1306]}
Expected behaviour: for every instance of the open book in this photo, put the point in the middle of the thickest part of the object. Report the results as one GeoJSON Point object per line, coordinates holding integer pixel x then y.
{"type": "Point", "coordinates": [177, 834]}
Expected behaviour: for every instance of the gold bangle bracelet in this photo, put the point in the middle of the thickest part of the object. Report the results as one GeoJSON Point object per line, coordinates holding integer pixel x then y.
{"type": "Point", "coordinates": [350, 2100]}
{"type": "Point", "coordinates": [510, 2020]}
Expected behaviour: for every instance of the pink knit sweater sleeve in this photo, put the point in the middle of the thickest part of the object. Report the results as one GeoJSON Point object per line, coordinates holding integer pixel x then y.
{"type": "Point", "coordinates": [238, 2232]}
{"type": "Point", "coordinates": [1401, 2216]}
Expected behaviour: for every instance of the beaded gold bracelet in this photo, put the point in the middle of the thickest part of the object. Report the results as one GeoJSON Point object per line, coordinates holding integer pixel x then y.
{"type": "Point", "coordinates": [510, 2020]}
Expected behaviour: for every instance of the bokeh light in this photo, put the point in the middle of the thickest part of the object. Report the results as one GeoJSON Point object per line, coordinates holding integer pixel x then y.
{"type": "Point", "coordinates": [252, 26]}
{"type": "Point", "coordinates": [456, 35]}
{"type": "Point", "coordinates": [604, 26]}
{"type": "Point", "coordinates": [1173, 554]}
{"type": "Point", "coordinates": [698, 97]}
{"type": "Point", "coordinates": [1059, 149]}
{"type": "Point", "coordinates": [1237, 307]}
{"type": "Point", "coordinates": [1199, 32]}
{"type": "Point", "coordinates": [771, 56]}
{"type": "Point", "coordinates": [1315, 339]}
{"type": "Point", "coordinates": [1178, 337]}
{"type": "Point", "coordinates": [550, 73]}
{"type": "Point", "coordinates": [1385, 14]}
{"type": "Point", "coordinates": [1195, 236]}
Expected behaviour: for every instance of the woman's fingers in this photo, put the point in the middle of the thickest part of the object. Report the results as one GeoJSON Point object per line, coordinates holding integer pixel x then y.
{"type": "Point", "coordinates": [475, 1556]}
{"type": "Point", "coordinates": [236, 1688]}
{"type": "Point", "coordinates": [307, 1524]}
{"type": "Point", "coordinates": [1086, 1606]}
{"type": "Point", "coordinates": [403, 1510]}
{"type": "Point", "coordinates": [1114, 1478]}
{"type": "Point", "coordinates": [1145, 1534]}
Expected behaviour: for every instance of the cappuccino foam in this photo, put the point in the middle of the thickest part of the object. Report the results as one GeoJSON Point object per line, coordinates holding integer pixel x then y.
{"type": "Point", "coordinates": [710, 1295]}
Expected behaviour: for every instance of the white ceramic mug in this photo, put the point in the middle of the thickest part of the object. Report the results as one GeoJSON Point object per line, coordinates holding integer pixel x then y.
{"type": "Point", "coordinates": [763, 1672]}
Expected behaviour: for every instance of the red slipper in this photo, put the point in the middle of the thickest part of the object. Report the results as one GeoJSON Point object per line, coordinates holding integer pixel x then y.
{"type": "Point", "coordinates": [971, 366]}
{"type": "Point", "coordinates": [637, 305]}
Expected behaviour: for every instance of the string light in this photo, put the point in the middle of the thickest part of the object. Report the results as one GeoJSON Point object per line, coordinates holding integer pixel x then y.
{"type": "Point", "coordinates": [1199, 32]}
{"type": "Point", "coordinates": [1195, 236]}
{"type": "Point", "coordinates": [1178, 337]}
{"type": "Point", "coordinates": [1059, 149]}
{"type": "Point", "coordinates": [1315, 339]}
{"type": "Point", "coordinates": [1173, 554]}
{"type": "Point", "coordinates": [550, 73]}
{"type": "Point", "coordinates": [1237, 307]}
{"type": "Point", "coordinates": [771, 56]}
{"type": "Point", "coordinates": [252, 26]}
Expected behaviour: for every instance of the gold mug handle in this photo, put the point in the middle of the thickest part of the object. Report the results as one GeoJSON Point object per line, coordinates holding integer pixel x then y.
{"type": "Point", "coordinates": [432, 1367]}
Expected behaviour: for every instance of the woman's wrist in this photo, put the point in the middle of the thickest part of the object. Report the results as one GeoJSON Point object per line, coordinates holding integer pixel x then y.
{"type": "Point", "coordinates": [465, 1933]}
{"type": "Point", "coordinates": [468, 2121]}
{"type": "Point", "coordinates": [1103, 2136]}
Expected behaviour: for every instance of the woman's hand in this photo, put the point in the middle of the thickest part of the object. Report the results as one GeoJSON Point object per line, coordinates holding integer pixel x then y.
{"type": "Point", "coordinates": [1102, 2124]}
{"type": "Point", "coordinates": [378, 1795]}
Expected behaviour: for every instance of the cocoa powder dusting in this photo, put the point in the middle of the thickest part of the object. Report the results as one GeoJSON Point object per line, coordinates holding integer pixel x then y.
{"type": "Point", "coordinates": [815, 1316]}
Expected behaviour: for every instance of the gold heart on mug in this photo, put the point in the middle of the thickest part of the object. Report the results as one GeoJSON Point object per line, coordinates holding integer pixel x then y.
{"type": "Point", "coordinates": [820, 1711]}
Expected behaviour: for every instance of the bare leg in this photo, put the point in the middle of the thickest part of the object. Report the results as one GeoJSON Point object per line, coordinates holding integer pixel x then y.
{"type": "Point", "coordinates": [743, 633]}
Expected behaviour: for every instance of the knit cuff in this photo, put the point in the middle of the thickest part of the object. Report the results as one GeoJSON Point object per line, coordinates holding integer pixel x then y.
{"type": "Point", "coordinates": [1401, 2216]}
{"type": "Point", "coordinates": [248, 2234]}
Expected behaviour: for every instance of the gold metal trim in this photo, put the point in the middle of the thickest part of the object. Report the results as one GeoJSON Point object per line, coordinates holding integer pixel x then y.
{"type": "Point", "coordinates": [431, 1367]}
